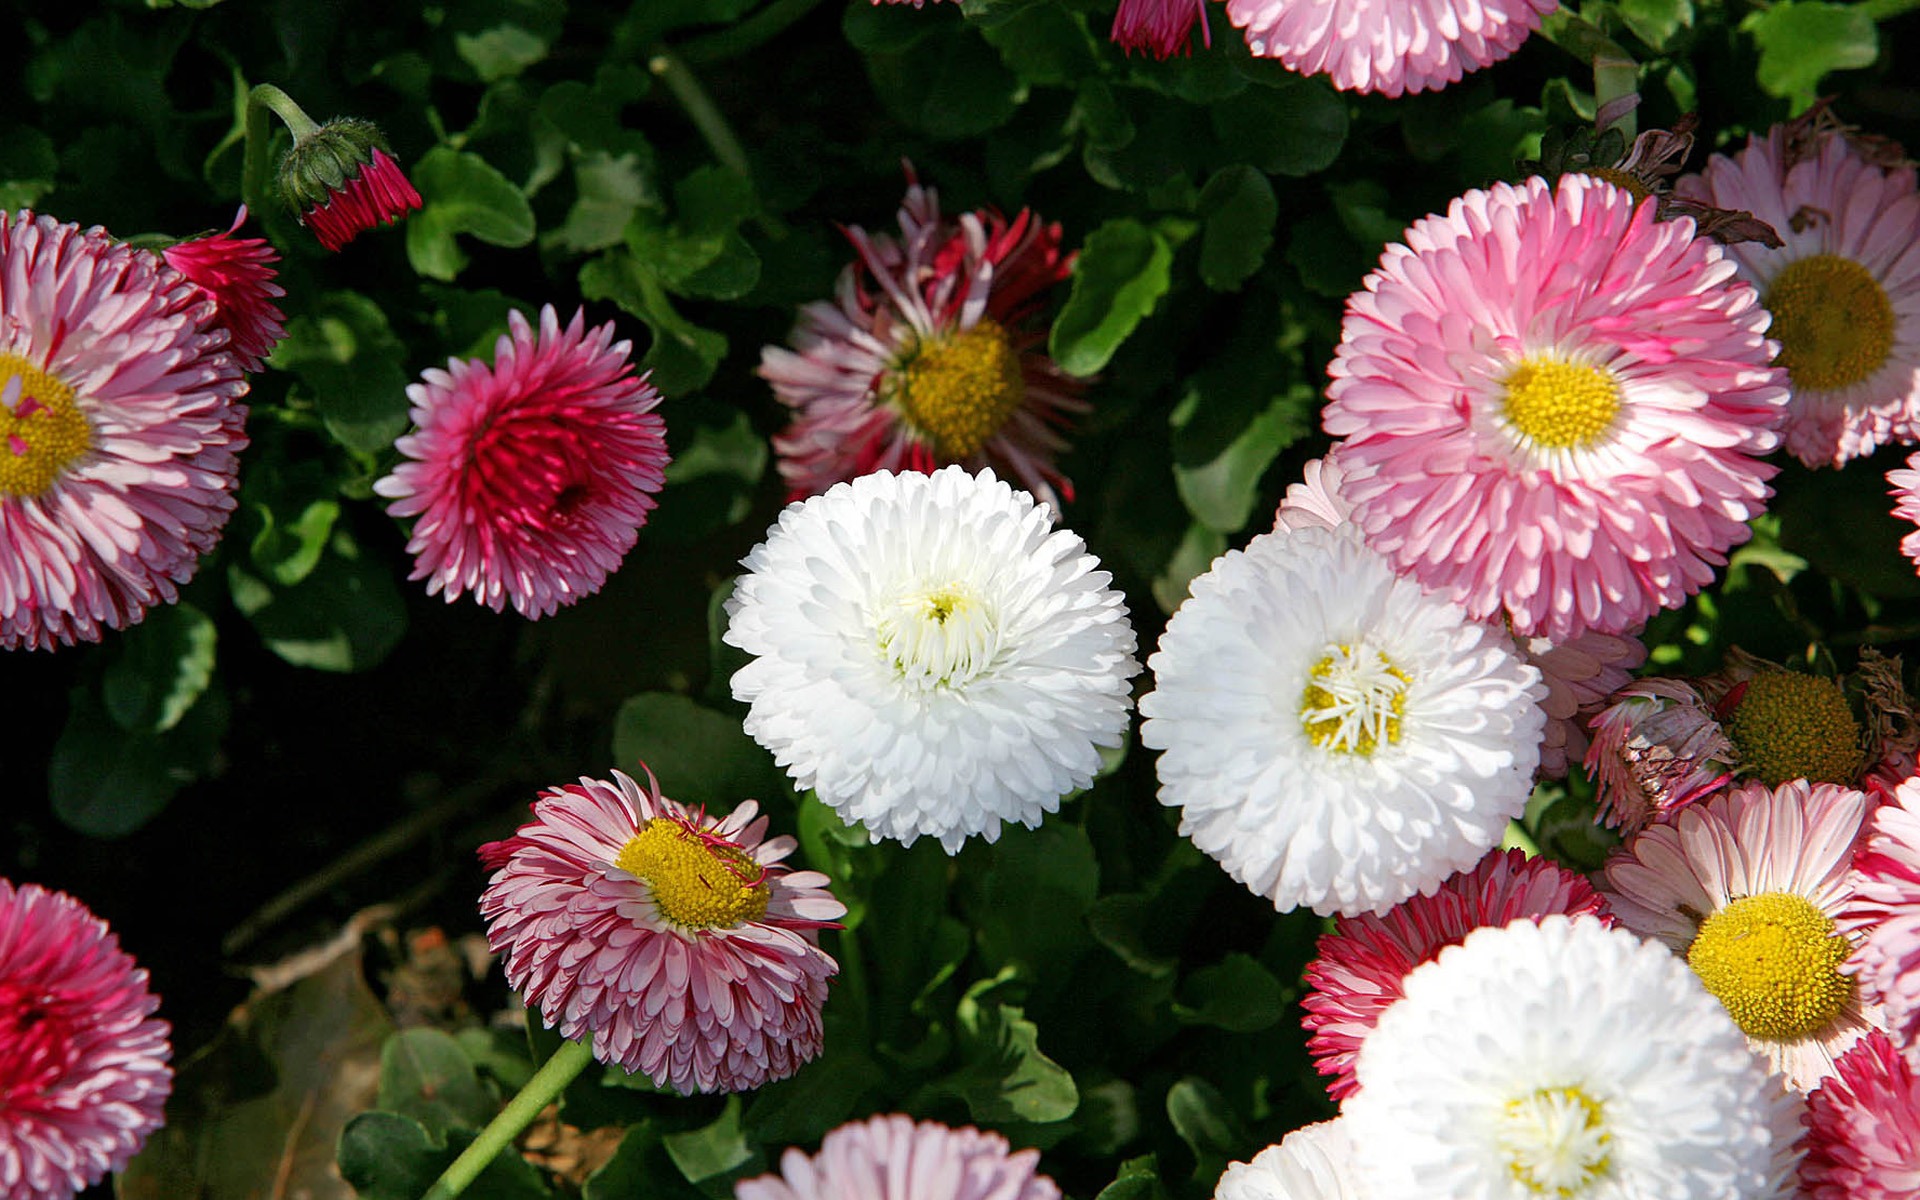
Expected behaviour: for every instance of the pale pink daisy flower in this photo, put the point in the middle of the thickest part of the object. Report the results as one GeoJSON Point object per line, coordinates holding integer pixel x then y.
{"type": "Point", "coordinates": [83, 1060]}
{"type": "Point", "coordinates": [1657, 747]}
{"type": "Point", "coordinates": [929, 354]}
{"type": "Point", "coordinates": [1159, 27]}
{"type": "Point", "coordinates": [1885, 912]}
{"type": "Point", "coordinates": [1863, 1128]}
{"type": "Point", "coordinates": [532, 477]}
{"type": "Point", "coordinates": [238, 275]}
{"type": "Point", "coordinates": [1905, 482]}
{"type": "Point", "coordinates": [1555, 407]}
{"type": "Point", "coordinates": [1387, 46]}
{"type": "Point", "coordinates": [1747, 887]}
{"type": "Point", "coordinates": [893, 1158]}
{"type": "Point", "coordinates": [119, 431]}
{"type": "Point", "coordinates": [1362, 962]}
{"type": "Point", "coordinates": [677, 941]}
{"type": "Point", "coordinates": [1315, 502]}
{"type": "Point", "coordinates": [1844, 289]}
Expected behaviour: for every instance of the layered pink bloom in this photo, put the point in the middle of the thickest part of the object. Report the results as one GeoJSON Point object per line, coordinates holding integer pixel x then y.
{"type": "Point", "coordinates": [1885, 912]}
{"type": "Point", "coordinates": [930, 353]}
{"type": "Point", "coordinates": [1387, 46]}
{"type": "Point", "coordinates": [1656, 749]}
{"type": "Point", "coordinates": [238, 275]}
{"type": "Point", "coordinates": [1580, 675]}
{"type": "Point", "coordinates": [1316, 501]}
{"type": "Point", "coordinates": [677, 941]}
{"type": "Point", "coordinates": [532, 477]}
{"type": "Point", "coordinates": [1159, 27]}
{"type": "Point", "coordinates": [1555, 407]}
{"type": "Point", "coordinates": [1863, 1128]}
{"type": "Point", "coordinates": [1844, 288]}
{"type": "Point", "coordinates": [1362, 962]}
{"type": "Point", "coordinates": [1906, 504]}
{"type": "Point", "coordinates": [83, 1060]}
{"type": "Point", "coordinates": [378, 194]}
{"type": "Point", "coordinates": [119, 431]}
{"type": "Point", "coordinates": [892, 1158]}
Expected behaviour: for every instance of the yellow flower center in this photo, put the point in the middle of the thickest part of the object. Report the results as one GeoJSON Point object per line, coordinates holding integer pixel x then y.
{"type": "Point", "coordinates": [1833, 321]}
{"type": "Point", "coordinates": [938, 636]}
{"type": "Point", "coordinates": [1560, 405]}
{"type": "Point", "coordinates": [1794, 726]}
{"type": "Point", "coordinates": [1774, 961]}
{"type": "Point", "coordinates": [1354, 700]}
{"type": "Point", "coordinates": [959, 389]}
{"type": "Point", "coordinates": [1622, 180]}
{"type": "Point", "coordinates": [42, 429]}
{"type": "Point", "coordinates": [699, 881]}
{"type": "Point", "coordinates": [1556, 1141]}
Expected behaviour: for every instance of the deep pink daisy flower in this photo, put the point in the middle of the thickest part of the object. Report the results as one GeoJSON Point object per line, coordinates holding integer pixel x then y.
{"type": "Point", "coordinates": [676, 940]}
{"type": "Point", "coordinates": [378, 194]}
{"type": "Point", "coordinates": [83, 1060]}
{"type": "Point", "coordinates": [1159, 27]}
{"type": "Point", "coordinates": [929, 354]}
{"type": "Point", "coordinates": [1863, 1128]}
{"type": "Point", "coordinates": [1885, 912]}
{"type": "Point", "coordinates": [1387, 46]}
{"type": "Point", "coordinates": [532, 477]}
{"type": "Point", "coordinates": [1657, 747]}
{"type": "Point", "coordinates": [1843, 288]}
{"type": "Point", "coordinates": [892, 1158]}
{"type": "Point", "coordinates": [119, 431]}
{"type": "Point", "coordinates": [1362, 962]}
{"type": "Point", "coordinates": [1905, 482]}
{"type": "Point", "coordinates": [1555, 407]}
{"type": "Point", "coordinates": [238, 274]}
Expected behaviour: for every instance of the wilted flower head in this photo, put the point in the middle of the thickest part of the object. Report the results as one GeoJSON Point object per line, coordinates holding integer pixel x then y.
{"type": "Point", "coordinates": [238, 275]}
{"type": "Point", "coordinates": [1387, 46]}
{"type": "Point", "coordinates": [893, 1158]}
{"type": "Point", "coordinates": [340, 180]}
{"type": "Point", "coordinates": [1657, 747]}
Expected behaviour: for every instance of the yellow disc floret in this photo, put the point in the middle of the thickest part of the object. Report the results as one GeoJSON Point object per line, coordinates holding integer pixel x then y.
{"type": "Point", "coordinates": [1560, 405]}
{"type": "Point", "coordinates": [1794, 726]}
{"type": "Point", "coordinates": [699, 881]}
{"type": "Point", "coordinates": [42, 429]}
{"type": "Point", "coordinates": [1556, 1141]}
{"type": "Point", "coordinates": [1774, 961]}
{"type": "Point", "coordinates": [1354, 700]}
{"type": "Point", "coordinates": [1833, 321]}
{"type": "Point", "coordinates": [959, 389]}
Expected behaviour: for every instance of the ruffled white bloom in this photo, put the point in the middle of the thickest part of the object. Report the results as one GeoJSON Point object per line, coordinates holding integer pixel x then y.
{"type": "Point", "coordinates": [1311, 1163]}
{"type": "Point", "coordinates": [930, 655]}
{"type": "Point", "coordinates": [1563, 1058]}
{"type": "Point", "coordinates": [1333, 735]}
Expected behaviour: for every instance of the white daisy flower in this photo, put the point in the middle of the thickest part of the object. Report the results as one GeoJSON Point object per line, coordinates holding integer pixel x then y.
{"type": "Point", "coordinates": [1333, 735]}
{"type": "Point", "coordinates": [930, 655]}
{"type": "Point", "coordinates": [1314, 1162]}
{"type": "Point", "coordinates": [1564, 1059]}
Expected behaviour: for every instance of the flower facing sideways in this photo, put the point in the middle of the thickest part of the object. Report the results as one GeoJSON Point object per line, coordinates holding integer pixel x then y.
{"type": "Point", "coordinates": [237, 273]}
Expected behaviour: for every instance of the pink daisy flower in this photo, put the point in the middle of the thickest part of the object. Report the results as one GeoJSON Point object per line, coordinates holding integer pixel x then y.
{"type": "Point", "coordinates": [1555, 407]}
{"type": "Point", "coordinates": [1656, 748]}
{"type": "Point", "coordinates": [1863, 1128]}
{"type": "Point", "coordinates": [237, 274]}
{"type": "Point", "coordinates": [83, 1060]}
{"type": "Point", "coordinates": [531, 478]}
{"type": "Point", "coordinates": [929, 354]}
{"type": "Point", "coordinates": [1905, 482]}
{"type": "Point", "coordinates": [676, 940]}
{"type": "Point", "coordinates": [1885, 912]}
{"type": "Point", "coordinates": [1362, 963]}
{"type": "Point", "coordinates": [119, 431]}
{"type": "Point", "coordinates": [1748, 887]}
{"type": "Point", "coordinates": [1159, 27]}
{"type": "Point", "coordinates": [1387, 46]}
{"type": "Point", "coordinates": [892, 1158]}
{"type": "Point", "coordinates": [1315, 502]}
{"type": "Point", "coordinates": [1844, 288]}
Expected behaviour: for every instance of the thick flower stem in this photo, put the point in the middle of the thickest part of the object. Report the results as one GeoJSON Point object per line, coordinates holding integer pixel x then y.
{"type": "Point", "coordinates": [701, 110]}
{"type": "Point", "coordinates": [547, 1083]}
{"type": "Point", "coordinates": [258, 167]}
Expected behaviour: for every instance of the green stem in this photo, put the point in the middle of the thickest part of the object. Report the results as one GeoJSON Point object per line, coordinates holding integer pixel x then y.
{"type": "Point", "coordinates": [547, 1083]}
{"type": "Point", "coordinates": [299, 124]}
{"type": "Point", "coordinates": [749, 34]}
{"type": "Point", "coordinates": [701, 110]}
{"type": "Point", "coordinates": [257, 167]}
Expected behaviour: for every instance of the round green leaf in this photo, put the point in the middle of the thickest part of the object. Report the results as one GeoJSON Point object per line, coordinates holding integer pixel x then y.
{"type": "Point", "coordinates": [1121, 273]}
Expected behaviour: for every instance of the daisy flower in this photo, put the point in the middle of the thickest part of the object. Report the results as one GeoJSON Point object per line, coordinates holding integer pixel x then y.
{"type": "Point", "coordinates": [678, 941]}
{"type": "Point", "coordinates": [1523, 1062]}
{"type": "Point", "coordinates": [1884, 913]}
{"type": "Point", "coordinates": [893, 1158]}
{"type": "Point", "coordinates": [1657, 747]}
{"type": "Point", "coordinates": [340, 180]}
{"type": "Point", "coordinates": [1555, 407]}
{"type": "Point", "coordinates": [930, 353]}
{"type": "Point", "coordinates": [532, 477]}
{"type": "Point", "coordinates": [1387, 46]}
{"type": "Point", "coordinates": [1363, 963]}
{"type": "Point", "coordinates": [1332, 734]}
{"type": "Point", "coordinates": [930, 656]}
{"type": "Point", "coordinates": [1746, 887]}
{"type": "Point", "coordinates": [1863, 1128]}
{"type": "Point", "coordinates": [1159, 27]}
{"type": "Point", "coordinates": [83, 1060]}
{"type": "Point", "coordinates": [1844, 289]}
{"type": "Point", "coordinates": [237, 275]}
{"type": "Point", "coordinates": [1905, 482]}
{"type": "Point", "coordinates": [119, 431]}
{"type": "Point", "coordinates": [1314, 1162]}
{"type": "Point", "coordinates": [1315, 502]}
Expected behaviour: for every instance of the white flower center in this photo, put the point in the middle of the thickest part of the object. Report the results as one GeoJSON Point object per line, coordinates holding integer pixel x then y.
{"type": "Point", "coordinates": [1354, 700]}
{"type": "Point", "coordinates": [1556, 1141]}
{"type": "Point", "coordinates": [938, 636]}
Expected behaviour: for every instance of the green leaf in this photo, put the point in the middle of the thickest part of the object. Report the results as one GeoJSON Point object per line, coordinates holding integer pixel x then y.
{"type": "Point", "coordinates": [107, 782]}
{"type": "Point", "coordinates": [344, 353]}
{"type": "Point", "coordinates": [1294, 130]}
{"type": "Point", "coordinates": [462, 193]}
{"type": "Point", "coordinates": [1656, 22]}
{"type": "Point", "coordinates": [1205, 1122]}
{"type": "Point", "coordinates": [701, 253]}
{"type": "Point", "coordinates": [1196, 552]}
{"type": "Point", "coordinates": [164, 667]}
{"type": "Point", "coordinates": [1121, 273]}
{"type": "Point", "coordinates": [713, 1149]}
{"type": "Point", "coordinates": [500, 52]}
{"type": "Point", "coordinates": [1221, 491]}
{"type": "Point", "coordinates": [1801, 43]}
{"type": "Point", "coordinates": [711, 482]}
{"type": "Point", "coordinates": [1029, 906]}
{"type": "Point", "coordinates": [800, 1110]}
{"type": "Point", "coordinates": [28, 166]}
{"type": "Point", "coordinates": [345, 616]}
{"type": "Point", "coordinates": [1044, 44]}
{"type": "Point", "coordinates": [1007, 1077]}
{"type": "Point", "coordinates": [683, 355]}
{"type": "Point", "coordinates": [1237, 994]}
{"type": "Point", "coordinates": [1239, 209]}
{"type": "Point", "coordinates": [889, 29]}
{"type": "Point", "coordinates": [699, 756]}
{"type": "Point", "coordinates": [424, 1074]}
{"type": "Point", "coordinates": [952, 85]}
{"type": "Point", "coordinates": [1123, 923]}
{"type": "Point", "coordinates": [1139, 1179]}
{"type": "Point", "coordinates": [609, 190]}
{"type": "Point", "coordinates": [640, 1167]}
{"type": "Point", "coordinates": [385, 1156]}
